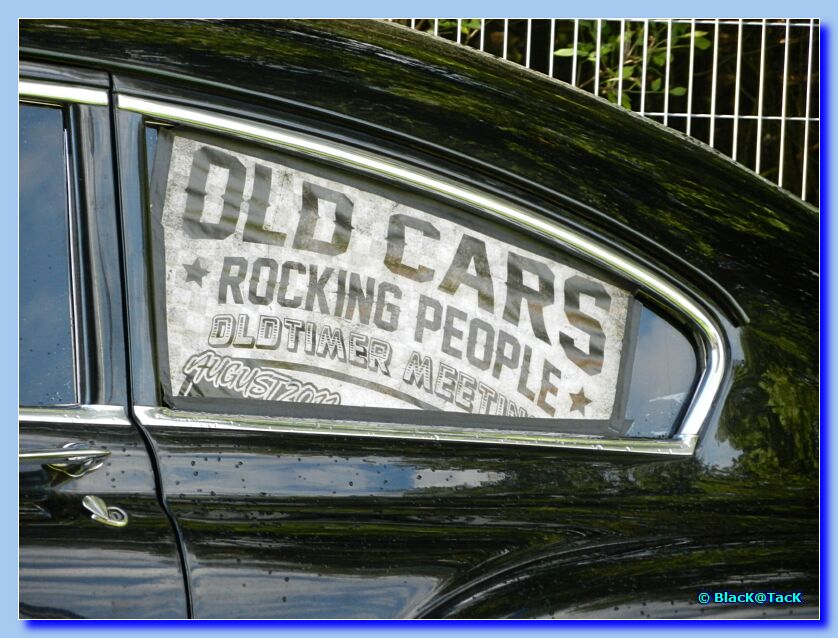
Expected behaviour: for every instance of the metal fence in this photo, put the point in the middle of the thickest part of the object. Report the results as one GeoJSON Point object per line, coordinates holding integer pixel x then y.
{"type": "Point", "coordinates": [747, 87]}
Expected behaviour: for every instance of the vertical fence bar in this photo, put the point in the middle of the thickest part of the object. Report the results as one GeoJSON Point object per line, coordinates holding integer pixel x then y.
{"type": "Point", "coordinates": [790, 70]}
{"type": "Point", "coordinates": [783, 106]}
{"type": "Point", "coordinates": [736, 91]}
{"type": "Point", "coordinates": [761, 92]}
{"type": "Point", "coordinates": [528, 56]}
{"type": "Point", "coordinates": [713, 82]}
{"type": "Point", "coordinates": [808, 107]}
{"type": "Point", "coordinates": [596, 61]}
{"type": "Point", "coordinates": [666, 72]}
{"type": "Point", "coordinates": [620, 65]}
{"type": "Point", "coordinates": [643, 72]}
{"type": "Point", "coordinates": [575, 51]}
{"type": "Point", "coordinates": [690, 79]}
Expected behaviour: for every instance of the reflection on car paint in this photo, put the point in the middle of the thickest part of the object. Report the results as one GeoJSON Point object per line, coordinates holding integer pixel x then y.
{"type": "Point", "coordinates": [271, 589]}
{"type": "Point", "coordinates": [314, 475]}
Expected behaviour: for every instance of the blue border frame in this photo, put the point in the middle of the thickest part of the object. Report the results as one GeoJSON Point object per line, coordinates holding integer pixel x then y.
{"type": "Point", "coordinates": [828, 262]}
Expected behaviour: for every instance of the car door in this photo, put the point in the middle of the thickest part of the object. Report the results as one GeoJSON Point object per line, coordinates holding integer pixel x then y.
{"type": "Point", "coordinates": [378, 389]}
{"type": "Point", "coordinates": [95, 540]}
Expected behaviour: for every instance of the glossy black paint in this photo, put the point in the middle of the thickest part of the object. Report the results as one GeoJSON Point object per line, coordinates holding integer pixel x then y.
{"type": "Point", "coordinates": [71, 566]}
{"type": "Point", "coordinates": [288, 526]}
{"type": "Point", "coordinates": [322, 527]}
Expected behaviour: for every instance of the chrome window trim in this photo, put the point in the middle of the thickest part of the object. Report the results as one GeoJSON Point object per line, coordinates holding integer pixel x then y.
{"type": "Point", "coordinates": [165, 417]}
{"type": "Point", "coordinates": [62, 93]}
{"type": "Point", "coordinates": [81, 414]}
{"type": "Point", "coordinates": [714, 346]}
{"type": "Point", "coordinates": [76, 333]}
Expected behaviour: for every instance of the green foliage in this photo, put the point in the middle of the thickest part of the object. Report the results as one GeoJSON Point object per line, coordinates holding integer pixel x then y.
{"type": "Point", "coordinates": [628, 48]}
{"type": "Point", "coordinates": [796, 409]}
{"type": "Point", "coordinates": [775, 422]}
{"type": "Point", "coordinates": [469, 28]}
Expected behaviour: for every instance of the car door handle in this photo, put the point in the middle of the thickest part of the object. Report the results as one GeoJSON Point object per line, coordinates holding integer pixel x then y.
{"type": "Point", "coordinates": [73, 459]}
{"type": "Point", "coordinates": [102, 513]}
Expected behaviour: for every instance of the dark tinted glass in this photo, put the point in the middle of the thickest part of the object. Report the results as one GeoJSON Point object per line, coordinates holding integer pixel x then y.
{"type": "Point", "coordinates": [46, 345]}
{"type": "Point", "coordinates": [662, 376]}
{"type": "Point", "coordinates": [150, 147]}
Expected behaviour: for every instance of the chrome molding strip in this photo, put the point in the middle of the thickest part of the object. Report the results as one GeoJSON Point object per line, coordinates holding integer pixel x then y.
{"type": "Point", "coordinates": [75, 272]}
{"type": "Point", "coordinates": [62, 92]}
{"type": "Point", "coordinates": [714, 346]}
{"type": "Point", "coordinates": [66, 454]}
{"type": "Point", "coordinates": [165, 417]}
{"type": "Point", "coordinates": [89, 414]}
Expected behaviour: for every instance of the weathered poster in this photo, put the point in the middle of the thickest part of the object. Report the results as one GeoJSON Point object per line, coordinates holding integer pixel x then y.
{"type": "Point", "coordinates": [281, 285]}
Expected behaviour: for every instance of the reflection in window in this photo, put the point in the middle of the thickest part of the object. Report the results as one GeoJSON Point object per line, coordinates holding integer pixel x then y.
{"type": "Point", "coordinates": [662, 377]}
{"type": "Point", "coordinates": [150, 147]}
{"type": "Point", "coordinates": [46, 345]}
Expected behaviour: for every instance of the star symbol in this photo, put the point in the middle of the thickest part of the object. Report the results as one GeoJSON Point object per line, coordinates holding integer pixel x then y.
{"type": "Point", "coordinates": [195, 272]}
{"type": "Point", "coordinates": [579, 401]}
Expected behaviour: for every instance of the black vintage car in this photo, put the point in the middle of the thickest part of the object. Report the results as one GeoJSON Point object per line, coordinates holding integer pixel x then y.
{"type": "Point", "coordinates": [333, 319]}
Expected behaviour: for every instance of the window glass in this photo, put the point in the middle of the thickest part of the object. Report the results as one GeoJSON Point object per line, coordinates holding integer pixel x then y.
{"type": "Point", "coordinates": [150, 147]}
{"type": "Point", "coordinates": [661, 378]}
{"type": "Point", "coordinates": [280, 281]}
{"type": "Point", "coordinates": [45, 325]}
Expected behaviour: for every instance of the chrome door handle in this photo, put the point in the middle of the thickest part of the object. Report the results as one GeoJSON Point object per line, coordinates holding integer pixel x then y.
{"type": "Point", "coordinates": [100, 512]}
{"type": "Point", "coordinates": [73, 459]}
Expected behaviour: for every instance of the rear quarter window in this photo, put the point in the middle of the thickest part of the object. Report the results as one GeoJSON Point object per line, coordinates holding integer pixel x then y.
{"type": "Point", "coordinates": [280, 281]}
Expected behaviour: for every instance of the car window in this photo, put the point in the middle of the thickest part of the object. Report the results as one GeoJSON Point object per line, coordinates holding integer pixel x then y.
{"type": "Point", "coordinates": [45, 319]}
{"type": "Point", "coordinates": [662, 375]}
{"type": "Point", "coordinates": [283, 281]}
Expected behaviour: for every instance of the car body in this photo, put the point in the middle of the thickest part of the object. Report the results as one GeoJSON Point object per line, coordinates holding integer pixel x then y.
{"type": "Point", "coordinates": [546, 208]}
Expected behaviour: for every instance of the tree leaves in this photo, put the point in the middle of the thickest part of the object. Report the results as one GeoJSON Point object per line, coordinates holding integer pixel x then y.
{"type": "Point", "coordinates": [663, 43]}
{"type": "Point", "coordinates": [659, 59]}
